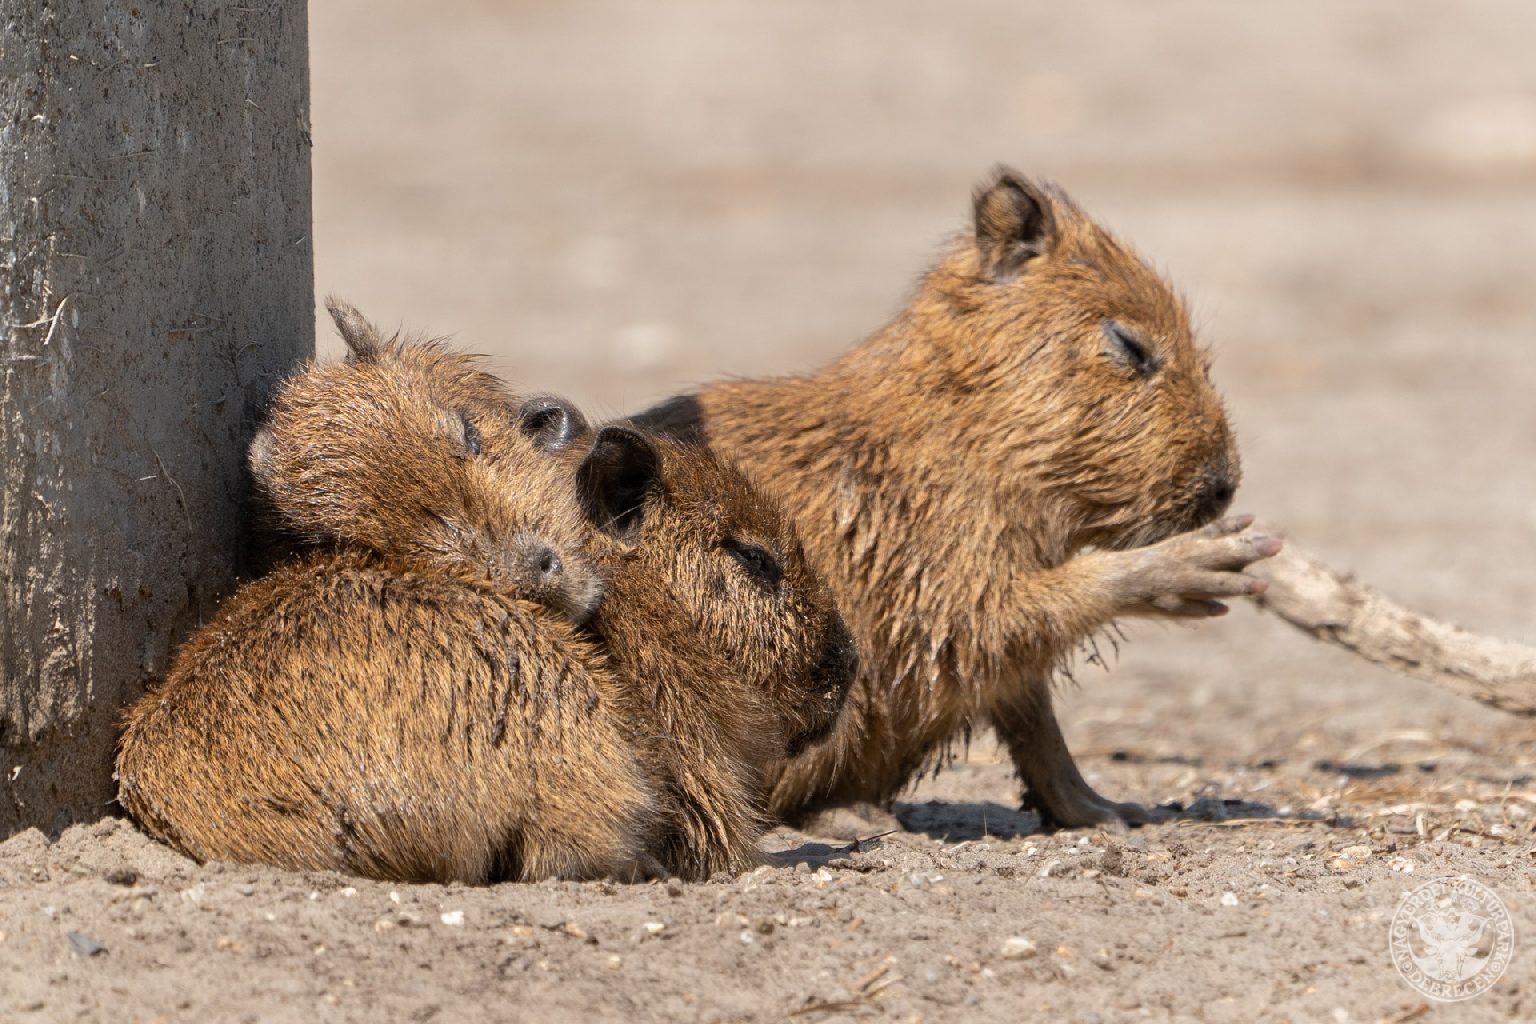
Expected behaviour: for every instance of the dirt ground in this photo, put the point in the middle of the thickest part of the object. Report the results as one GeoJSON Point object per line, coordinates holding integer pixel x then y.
{"type": "Point", "coordinates": [615, 200]}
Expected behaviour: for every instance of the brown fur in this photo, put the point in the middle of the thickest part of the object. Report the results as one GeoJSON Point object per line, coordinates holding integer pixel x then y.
{"type": "Point", "coordinates": [729, 644]}
{"type": "Point", "coordinates": [987, 482]}
{"type": "Point", "coordinates": [360, 715]}
{"type": "Point", "coordinates": [410, 450]}
{"type": "Point", "coordinates": [415, 721]}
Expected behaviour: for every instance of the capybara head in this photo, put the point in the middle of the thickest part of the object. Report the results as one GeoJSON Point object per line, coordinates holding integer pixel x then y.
{"type": "Point", "coordinates": [1042, 320]}
{"type": "Point", "coordinates": [411, 450]}
{"type": "Point", "coordinates": [703, 552]}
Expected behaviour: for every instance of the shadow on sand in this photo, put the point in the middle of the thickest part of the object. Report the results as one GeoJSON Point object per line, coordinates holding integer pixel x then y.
{"type": "Point", "coordinates": [960, 822]}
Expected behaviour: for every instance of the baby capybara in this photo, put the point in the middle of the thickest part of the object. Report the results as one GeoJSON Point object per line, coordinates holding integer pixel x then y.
{"type": "Point", "coordinates": [409, 449]}
{"type": "Point", "coordinates": [1031, 449]}
{"type": "Point", "coordinates": [413, 720]}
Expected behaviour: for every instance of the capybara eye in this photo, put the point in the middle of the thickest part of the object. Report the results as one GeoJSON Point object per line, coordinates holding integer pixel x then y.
{"type": "Point", "coordinates": [1130, 349]}
{"type": "Point", "coordinates": [761, 565]}
{"type": "Point", "coordinates": [471, 436]}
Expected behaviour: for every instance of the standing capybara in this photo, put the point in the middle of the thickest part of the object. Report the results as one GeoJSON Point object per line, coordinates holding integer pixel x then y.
{"type": "Point", "coordinates": [405, 449]}
{"type": "Point", "coordinates": [1003, 470]}
{"type": "Point", "coordinates": [415, 720]}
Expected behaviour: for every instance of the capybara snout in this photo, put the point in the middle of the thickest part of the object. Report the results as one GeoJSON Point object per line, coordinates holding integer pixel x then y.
{"type": "Point", "coordinates": [528, 565]}
{"type": "Point", "coordinates": [736, 562]}
{"type": "Point", "coordinates": [831, 679]}
{"type": "Point", "coordinates": [1216, 490]}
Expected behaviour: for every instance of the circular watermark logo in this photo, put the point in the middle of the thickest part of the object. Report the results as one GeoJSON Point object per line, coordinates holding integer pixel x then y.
{"type": "Point", "coordinates": [1451, 938]}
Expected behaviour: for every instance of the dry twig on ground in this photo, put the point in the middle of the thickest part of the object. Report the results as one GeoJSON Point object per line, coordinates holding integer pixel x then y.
{"type": "Point", "coordinates": [1334, 607]}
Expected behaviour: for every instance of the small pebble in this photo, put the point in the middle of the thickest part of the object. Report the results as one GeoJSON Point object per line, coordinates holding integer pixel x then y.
{"type": "Point", "coordinates": [1018, 947]}
{"type": "Point", "coordinates": [453, 917]}
{"type": "Point", "coordinates": [1229, 899]}
{"type": "Point", "coordinates": [85, 945]}
{"type": "Point", "coordinates": [1350, 858]}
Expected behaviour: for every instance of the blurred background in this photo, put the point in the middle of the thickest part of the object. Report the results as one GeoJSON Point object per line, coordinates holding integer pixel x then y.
{"type": "Point", "coordinates": [618, 200]}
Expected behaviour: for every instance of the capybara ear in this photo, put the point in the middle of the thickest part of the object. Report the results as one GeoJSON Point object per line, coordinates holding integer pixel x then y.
{"type": "Point", "coordinates": [551, 423]}
{"type": "Point", "coordinates": [259, 456]}
{"type": "Point", "coordinates": [615, 478]}
{"type": "Point", "coordinates": [1014, 223]}
{"type": "Point", "coordinates": [362, 338]}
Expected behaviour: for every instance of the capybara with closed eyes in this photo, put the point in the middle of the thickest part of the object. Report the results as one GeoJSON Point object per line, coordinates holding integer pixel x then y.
{"type": "Point", "coordinates": [409, 449]}
{"type": "Point", "coordinates": [1031, 449]}
{"type": "Point", "coordinates": [413, 719]}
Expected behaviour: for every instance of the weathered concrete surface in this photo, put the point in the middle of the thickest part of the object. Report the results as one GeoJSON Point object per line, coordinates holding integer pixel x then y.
{"type": "Point", "coordinates": [155, 279]}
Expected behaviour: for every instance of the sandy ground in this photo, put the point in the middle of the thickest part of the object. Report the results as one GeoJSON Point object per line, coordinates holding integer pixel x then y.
{"type": "Point", "coordinates": [615, 200]}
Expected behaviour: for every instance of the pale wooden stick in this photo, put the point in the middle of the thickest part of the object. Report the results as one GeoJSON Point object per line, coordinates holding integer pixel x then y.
{"type": "Point", "coordinates": [1333, 607]}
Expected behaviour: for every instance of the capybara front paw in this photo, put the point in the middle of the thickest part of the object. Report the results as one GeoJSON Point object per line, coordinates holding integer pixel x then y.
{"type": "Point", "coordinates": [1189, 575]}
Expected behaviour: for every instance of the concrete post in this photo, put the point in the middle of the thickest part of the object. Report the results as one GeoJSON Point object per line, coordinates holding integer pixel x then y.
{"type": "Point", "coordinates": [156, 278]}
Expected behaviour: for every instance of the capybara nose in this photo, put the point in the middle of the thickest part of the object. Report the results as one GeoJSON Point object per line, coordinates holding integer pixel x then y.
{"type": "Point", "coordinates": [546, 562]}
{"type": "Point", "coordinates": [1216, 490]}
{"type": "Point", "coordinates": [839, 661]}
{"type": "Point", "coordinates": [831, 679]}
{"type": "Point", "coordinates": [1218, 494]}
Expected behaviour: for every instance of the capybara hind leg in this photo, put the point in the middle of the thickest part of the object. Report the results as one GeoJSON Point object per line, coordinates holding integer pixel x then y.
{"type": "Point", "coordinates": [1053, 785]}
{"type": "Point", "coordinates": [600, 824]}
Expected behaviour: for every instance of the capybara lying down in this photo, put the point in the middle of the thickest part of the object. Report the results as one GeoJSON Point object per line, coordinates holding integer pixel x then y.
{"type": "Point", "coordinates": [409, 449]}
{"type": "Point", "coordinates": [377, 708]}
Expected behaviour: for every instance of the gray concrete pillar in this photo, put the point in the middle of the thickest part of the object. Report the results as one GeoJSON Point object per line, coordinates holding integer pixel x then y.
{"type": "Point", "coordinates": [156, 278]}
